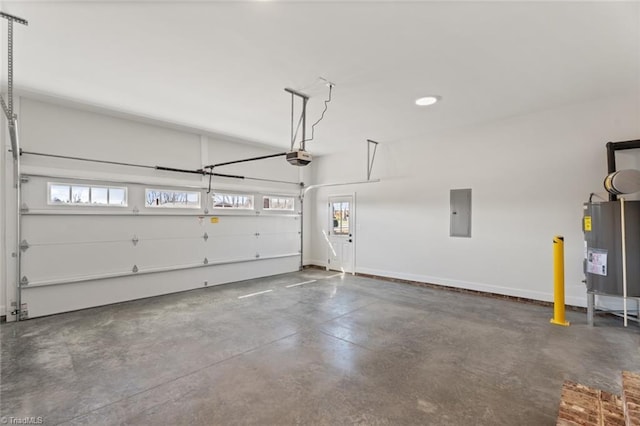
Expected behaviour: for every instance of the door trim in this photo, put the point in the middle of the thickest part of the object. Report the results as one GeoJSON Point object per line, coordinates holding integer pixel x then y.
{"type": "Point", "coordinates": [353, 219]}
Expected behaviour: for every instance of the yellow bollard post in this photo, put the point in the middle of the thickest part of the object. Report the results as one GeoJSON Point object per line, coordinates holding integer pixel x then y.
{"type": "Point", "coordinates": [558, 282]}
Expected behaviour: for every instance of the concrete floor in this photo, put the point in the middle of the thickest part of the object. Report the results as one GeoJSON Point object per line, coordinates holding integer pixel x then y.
{"type": "Point", "coordinates": [340, 350]}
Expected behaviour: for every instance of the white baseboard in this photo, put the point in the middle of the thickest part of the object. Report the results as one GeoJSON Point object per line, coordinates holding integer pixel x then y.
{"type": "Point", "coordinates": [315, 262]}
{"type": "Point", "coordinates": [467, 285]}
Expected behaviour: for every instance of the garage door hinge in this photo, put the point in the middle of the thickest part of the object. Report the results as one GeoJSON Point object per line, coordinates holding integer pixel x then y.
{"type": "Point", "coordinates": [24, 208]}
{"type": "Point", "coordinates": [206, 211]}
{"type": "Point", "coordinates": [135, 210]}
{"type": "Point", "coordinates": [205, 236]}
{"type": "Point", "coordinates": [24, 281]}
{"type": "Point", "coordinates": [257, 255]}
{"type": "Point", "coordinates": [206, 261]}
{"type": "Point", "coordinates": [135, 240]}
{"type": "Point", "coordinates": [24, 312]}
{"type": "Point", "coordinates": [24, 179]}
{"type": "Point", "coordinates": [135, 268]}
{"type": "Point", "coordinates": [24, 245]}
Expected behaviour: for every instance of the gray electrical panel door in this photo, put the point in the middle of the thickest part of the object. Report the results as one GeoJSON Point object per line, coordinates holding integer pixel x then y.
{"type": "Point", "coordinates": [603, 247]}
{"type": "Point", "coordinates": [460, 213]}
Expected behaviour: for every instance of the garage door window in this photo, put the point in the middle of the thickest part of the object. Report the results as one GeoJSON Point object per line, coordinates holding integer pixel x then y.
{"type": "Point", "coordinates": [278, 203]}
{"type": "Point", "coordinates": [232, 201]}
{"type": "Point", "coordinates": [172, 199]}
{"type": "Point", "coordinates": [84, 195]}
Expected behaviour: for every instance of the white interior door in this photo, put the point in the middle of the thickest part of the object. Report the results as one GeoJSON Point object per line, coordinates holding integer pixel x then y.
{"type": "Point", "coordinates": [341, 234]}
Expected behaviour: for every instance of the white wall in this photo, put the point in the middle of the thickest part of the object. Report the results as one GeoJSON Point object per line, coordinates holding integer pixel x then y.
{"type": "Point", "coordinates": [529, 175]}
{"type": "Point", "coordinates": [64, 128]}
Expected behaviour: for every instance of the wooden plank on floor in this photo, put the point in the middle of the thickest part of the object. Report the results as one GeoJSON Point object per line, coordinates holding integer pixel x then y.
{"type": "Point", "coordinates": [585, 406]}
{"type": "Point", "coordinates": [631, 397]}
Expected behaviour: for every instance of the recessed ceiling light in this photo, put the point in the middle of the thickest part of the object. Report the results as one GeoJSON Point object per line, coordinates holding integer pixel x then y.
{"type": "Point", "coordinates": [427, 100]}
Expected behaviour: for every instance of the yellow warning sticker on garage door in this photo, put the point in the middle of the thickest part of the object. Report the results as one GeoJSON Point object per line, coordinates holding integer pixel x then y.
{"type": "Point", "coordinates": [215, 219]}
{"type": "Point", "coordinates": [587, 223]}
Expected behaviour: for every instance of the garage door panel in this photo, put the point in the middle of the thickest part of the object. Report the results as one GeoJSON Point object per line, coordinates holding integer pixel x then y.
{"type": "Point", "coordinates": [279, 224]}
{"type": "Point", "coordinates": [231, 225]}
{"type": "Point", "coordinates": [169, 252]}
{"type": "Point", "coordinates": [279, 244]}
{"type": "Point", "coordinates": [226, 248]}
{"type": "Point", "coordinates": [47, 300]}
{"type": "Point", "coordinates": [75, 228]}
{"type": "Point", "coordinates": [149, 227]}
{"type": "Point", "coordinates": [68, 261]}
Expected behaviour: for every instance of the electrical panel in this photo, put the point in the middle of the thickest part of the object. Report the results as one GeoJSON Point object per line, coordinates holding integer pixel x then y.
{"type": "Point", "coordinates": [460, 225]}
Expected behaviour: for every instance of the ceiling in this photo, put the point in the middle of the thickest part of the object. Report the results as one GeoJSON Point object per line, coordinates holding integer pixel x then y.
{"type": "Point", "coordinates": [222, 66]}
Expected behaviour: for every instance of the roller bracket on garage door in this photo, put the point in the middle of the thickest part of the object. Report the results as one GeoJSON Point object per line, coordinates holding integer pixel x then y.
{"type": "Point", "coordinates": [23, 312]}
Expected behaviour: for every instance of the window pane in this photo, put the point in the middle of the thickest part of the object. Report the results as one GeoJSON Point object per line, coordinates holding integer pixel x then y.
{"type": "Point", "coordinates": [279, 203]}
{"type": "Point", "coordinates": [99, 195]}
{"type": "Point", "coordinates": [80, 194]}
{"type": "Point", "coordinates": [340, 212]}
{"type": "Point", "coordinates": [193, 199]}
{"type": "Point", "coordinates": [248, 202]}
{"type": "Point", "coordinates": [59, 194]}
{"type": "Point", "coordinates": [287, 204]}
{"type": "Point", "coordinates": [232, 201]}
{"type": "Point", "coordinates": [117, 197]}
{"type": "Point", "coordinates": [152, 198]}
{"type": "Point", "coordinates": [84, 195]}
{"type": "Point", "coordinates": [168, 198]}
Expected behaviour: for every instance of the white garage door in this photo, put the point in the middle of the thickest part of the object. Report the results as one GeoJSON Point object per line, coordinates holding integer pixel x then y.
{"type": "Point", "coordinates": [90, 243]}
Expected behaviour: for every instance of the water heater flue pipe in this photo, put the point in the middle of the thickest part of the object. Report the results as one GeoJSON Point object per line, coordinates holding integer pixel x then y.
{"type": "Point", "coordinates": [612, 147]}
{"type": "Point", "coordinates": [623, 182]}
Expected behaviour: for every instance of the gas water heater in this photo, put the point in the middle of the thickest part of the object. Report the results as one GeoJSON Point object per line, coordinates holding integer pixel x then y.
{"type": "Point", "coordinates": [603, 250]}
